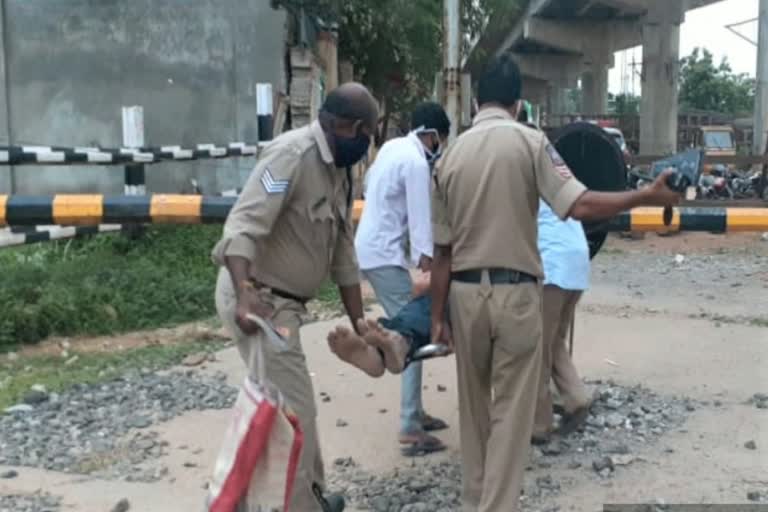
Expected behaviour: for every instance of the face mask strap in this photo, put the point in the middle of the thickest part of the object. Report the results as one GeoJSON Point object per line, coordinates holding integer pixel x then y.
{"type": "Point", "coordinates": [431, 155]}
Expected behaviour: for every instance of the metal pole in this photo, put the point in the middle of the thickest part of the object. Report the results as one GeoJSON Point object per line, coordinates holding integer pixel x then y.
{"type": "Point", "coordinates": [133, 138]}
{"type": "Point", "coordinates": [761, 93]}
{"type": "Point", "coordinates": [134, 175]}
{"type": "Point", "coordinates": [264, 111]}
{"type": "Point", "coordinates": [451, 64]}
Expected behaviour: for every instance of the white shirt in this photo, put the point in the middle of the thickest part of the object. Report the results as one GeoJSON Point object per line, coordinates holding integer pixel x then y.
{"type": "Point", "coordinates": [564, 251]}
{"type": "Point", "coordinates": [397, 207]}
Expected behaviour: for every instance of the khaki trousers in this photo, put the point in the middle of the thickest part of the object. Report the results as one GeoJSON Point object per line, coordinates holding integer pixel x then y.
{"type": "Point", "coordinates": [288, 372]}
{"type": "Point", "coordinates": [556, 363]}
{"type": "Point", "coordinates": [497, 332]}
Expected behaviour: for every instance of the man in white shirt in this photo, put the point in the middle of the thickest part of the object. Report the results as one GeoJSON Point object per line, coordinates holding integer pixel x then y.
{"type": "Point", "coordinates": [565, 255]}
{"type": "Point", "coordinates": [395, 234]}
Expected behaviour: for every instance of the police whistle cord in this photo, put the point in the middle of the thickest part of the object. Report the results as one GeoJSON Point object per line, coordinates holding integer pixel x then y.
{"type": "Point", "coordinates": [53, 155]}
{"type": "Point", "coordinates": [24, 235]}
{"type": "Point", "coordinates": [92, 210]}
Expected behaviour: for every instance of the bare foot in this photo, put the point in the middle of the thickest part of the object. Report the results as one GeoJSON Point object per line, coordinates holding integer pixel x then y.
{"type": "Point", "coordinates": [351, 349]}
{"type": "Point", "coordinates": [392, 345]}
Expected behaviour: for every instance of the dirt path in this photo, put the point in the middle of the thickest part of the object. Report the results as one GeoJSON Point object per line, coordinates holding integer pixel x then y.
{"type": "Point", "coordinates": [651, 333]}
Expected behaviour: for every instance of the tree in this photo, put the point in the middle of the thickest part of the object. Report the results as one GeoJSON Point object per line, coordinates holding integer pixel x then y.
{"type": "Point", "coordinates": [626, 104]}
{"type": "Point", "coordinates": [396, 45]}
{"type": "Point", "coordinates": [489, 19]}
{"type": "Point", "coordinates": [705, 86]}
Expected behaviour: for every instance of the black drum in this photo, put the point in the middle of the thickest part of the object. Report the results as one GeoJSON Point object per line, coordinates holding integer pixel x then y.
{"type": "Point", "coordinates": [597, 161]}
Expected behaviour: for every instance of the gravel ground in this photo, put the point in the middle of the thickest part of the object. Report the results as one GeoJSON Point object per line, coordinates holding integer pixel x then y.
{"type": "Point", "coordinates": [30, 503]}
{"type": "Point", "coordinates": [621, 423]}
{"type": "Point", "coordinates": [103, 430]}
{"type": "Point", "coordinates": [106, 430]}
{"type": "Point", "coordinates": [713, 283]}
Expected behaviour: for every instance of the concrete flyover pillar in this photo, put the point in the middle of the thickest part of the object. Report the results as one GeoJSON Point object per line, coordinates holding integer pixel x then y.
{"type": "Point", "coordinates": [761, 96]}
{"type": "Point", "coordinates": [594, 85]}
{"type": "Point", "coordinates": [557, 104]}
{"type": "Point", "coordinates": [660, 78]}
{"type": "Point", "coordinates": [557, 100]}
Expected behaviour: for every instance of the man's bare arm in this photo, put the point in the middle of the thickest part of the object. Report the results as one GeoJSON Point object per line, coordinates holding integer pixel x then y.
{"type": "Point", "coordinates": [441, 284]}
{"type": "Point", "coordinates": [592, 206]}
{"type": "Point", "coordinates": [249, 300]}
{"type": "Point", "coordinates": [352, 297]}
{"type": "Point", "coordinates": [239, 271]}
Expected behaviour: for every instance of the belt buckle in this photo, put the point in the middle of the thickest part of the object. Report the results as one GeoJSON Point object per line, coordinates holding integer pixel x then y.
{"type": "Point", "coordinates": [514, 277]}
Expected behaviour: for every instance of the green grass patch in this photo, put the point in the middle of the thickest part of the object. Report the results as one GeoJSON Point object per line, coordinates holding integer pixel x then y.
{"type": "Point", "coordinates": [107, 284]}
{"type": "Point", "coordinates": [328, 296]}
{"type": "Point", "coordinates": [112, 283]}
{"type": "Point", "coordinates": [53, 372]}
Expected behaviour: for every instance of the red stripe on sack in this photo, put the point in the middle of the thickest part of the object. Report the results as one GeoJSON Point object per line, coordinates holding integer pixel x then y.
{"type": "Point", "coordinates": [248, 452]}
{"type": "Point", "coordinates": [293, 461]}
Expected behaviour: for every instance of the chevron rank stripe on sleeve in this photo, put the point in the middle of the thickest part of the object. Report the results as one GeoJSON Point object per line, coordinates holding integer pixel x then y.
{"type": "Point", "coordinates": [273, 186]}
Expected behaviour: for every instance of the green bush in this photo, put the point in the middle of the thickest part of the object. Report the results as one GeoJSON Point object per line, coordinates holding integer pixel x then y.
{"type": "Point", "coordinates": [106, 284]}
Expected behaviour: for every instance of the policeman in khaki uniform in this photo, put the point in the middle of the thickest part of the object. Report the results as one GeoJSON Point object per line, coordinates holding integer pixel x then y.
{"type": "Point", "coordinates": [289, 230]}
{"type": "Point", "coordinates": [485, 201]}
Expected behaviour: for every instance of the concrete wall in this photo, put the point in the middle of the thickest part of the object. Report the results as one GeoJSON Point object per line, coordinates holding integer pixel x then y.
{"type": "Point", "coordinates": [192, 64]}
{"type": "Point", "coordinates": [5, 172]}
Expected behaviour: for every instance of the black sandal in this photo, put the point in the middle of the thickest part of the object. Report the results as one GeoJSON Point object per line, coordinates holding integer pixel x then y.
{"type": "Point", "coordinates": [430, 424]}
{"type": "Point", "coordinates": [332, 503]}
{"type": "Point", "coordinates": [423, 447]}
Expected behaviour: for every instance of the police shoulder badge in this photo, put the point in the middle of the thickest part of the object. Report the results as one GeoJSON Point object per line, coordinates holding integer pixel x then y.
{"type": "Point", "coordinates": [273, 185]}
{"type": "Point", "coordinates": [560, 166]}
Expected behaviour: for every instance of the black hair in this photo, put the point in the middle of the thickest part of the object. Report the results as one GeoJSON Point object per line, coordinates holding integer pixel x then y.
{"type": "Point", "coordinates": [501, 82]}
{"type": "Point", "coordinates": [431, 116]}
{"type": "Point", "coordinates": [522, 117]}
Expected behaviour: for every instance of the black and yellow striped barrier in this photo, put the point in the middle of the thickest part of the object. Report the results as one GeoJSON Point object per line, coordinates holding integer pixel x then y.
{"type": "Point", "coordinates": [712, 219]}
{"type": "Point", "coordinates": [25, 235]}
{"type": "Point", "coordinates": [91, 210]}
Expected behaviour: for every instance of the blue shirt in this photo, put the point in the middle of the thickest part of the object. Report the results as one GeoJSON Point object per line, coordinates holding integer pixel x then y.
{"type": "Point", "coordinates": [564, 251]}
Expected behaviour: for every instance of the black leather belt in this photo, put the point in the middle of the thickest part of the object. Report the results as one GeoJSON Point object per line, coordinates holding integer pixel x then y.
{"type": "Point", "coordinates": [278, 293]}
{"type": "Point", "coordinates": [287, 295]}
{"type": "Point", "coordinates": [496, 275]}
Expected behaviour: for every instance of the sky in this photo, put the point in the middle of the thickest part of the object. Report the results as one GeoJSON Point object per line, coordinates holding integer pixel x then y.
{"type": "Point", "coordinates": [705, 28]}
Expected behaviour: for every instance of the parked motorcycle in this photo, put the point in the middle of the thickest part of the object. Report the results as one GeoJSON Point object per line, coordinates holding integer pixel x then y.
{"type": "Point", "coordinates": [745, 184]}
{"type": "Point", "coordinates": [720, 184]}
{"type": "Point", "coordinates": [715, 185]}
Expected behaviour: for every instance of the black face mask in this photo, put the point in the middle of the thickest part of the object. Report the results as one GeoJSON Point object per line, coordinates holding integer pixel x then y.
{"type": "Point", "coordinates": [433, 153]}
{"type": "Point", "coordinates": [350, 150]}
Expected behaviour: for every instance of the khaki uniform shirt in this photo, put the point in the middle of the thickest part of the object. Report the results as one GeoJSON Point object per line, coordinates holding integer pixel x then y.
{"type": "Point", "coordinates": [292, 219]}
{"type": "Point", "coordinates": [486, 194]}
